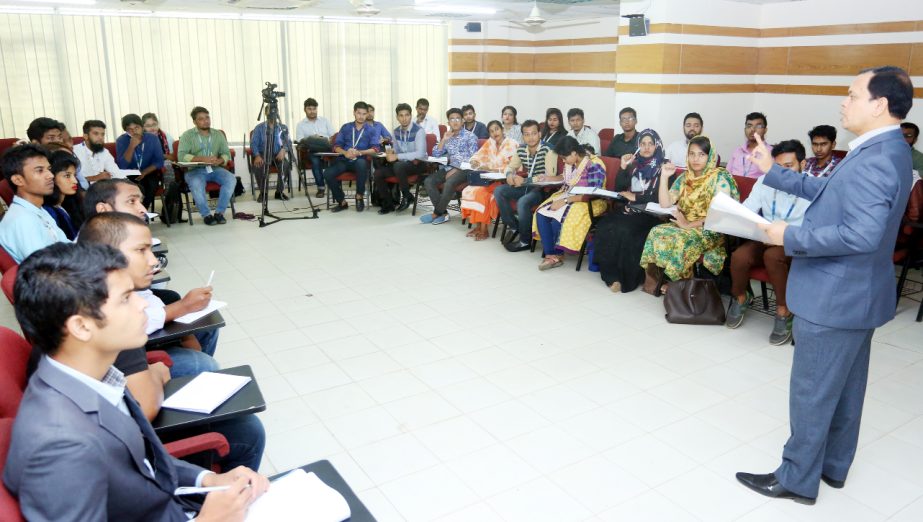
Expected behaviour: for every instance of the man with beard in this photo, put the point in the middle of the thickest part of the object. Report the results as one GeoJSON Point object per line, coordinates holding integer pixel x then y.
{"type": "Point", "coordinates": [692, 127]}
{"type": "Point", "coordinates": [202, 144]}
{"type": "Point", "coordinates": [97, 163]}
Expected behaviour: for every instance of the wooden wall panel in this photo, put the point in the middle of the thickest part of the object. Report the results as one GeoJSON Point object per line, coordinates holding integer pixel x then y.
{"type": "Point", "coordinates": [916, 60]}
{"type": "Point", "coordinates": [649, 58]}
{"type": "Point", "coordinates": [603, 40]}
{"type": "Point", "coordinates": [845, 59]}
{"type": "Point", "coordinates": [466, 62]}
{"type": "Point", "coordinates": [711, 59]}
{"type": "Point", "coordinates": [772, 60]}
{"type": "Point", "coordinates": [815, 30]}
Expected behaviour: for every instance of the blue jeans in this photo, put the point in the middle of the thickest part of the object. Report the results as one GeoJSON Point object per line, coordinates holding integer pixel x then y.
{"type": "Point", "coordinates": [317, 170]}
{"type": "Point", "coordinates": [197, 178]}
{"type": "Point", "coordinates": [526, 197]}
{"type": "Point", "coordinates": [358, 166]}
{"type": "Point", "coordinates": [549, 229]}
{"type": "Point", "coordinates": [187, 361]}
{"type": "Point", "coordinates": [247, 439]}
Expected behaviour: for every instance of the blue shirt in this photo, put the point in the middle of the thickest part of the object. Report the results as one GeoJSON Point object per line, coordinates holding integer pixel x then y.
{"type": "Point", "coordinates": [258, 138]}
{"type": "Point", "coordinates": [459, 148]}
{"type": "Point", "coordinates": [410, 144]}
{"type": "Point", "coordinates": [365, 138]}
{"type": "Point", "coordinates": [150, 152]}
{"type": "Point", "coordinates": [382, 131]}
{"type": "Point", "coordinates": [26, 228]}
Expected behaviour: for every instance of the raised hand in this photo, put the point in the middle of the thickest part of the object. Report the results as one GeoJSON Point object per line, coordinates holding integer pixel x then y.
{"type": "Point", "coordinates": [667, 169]}
{"type": "Point", "coordinates": [760, 156]}
{"type": "Point", "coordinates": [626, 160]}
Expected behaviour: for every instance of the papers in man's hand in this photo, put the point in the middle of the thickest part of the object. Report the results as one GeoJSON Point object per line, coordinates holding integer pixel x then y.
{"type": "Point", "coordinates": [152, 215]}
{"type": "Point", "coordinates": [730, 217]}
{"type": "Point", "coordinates": [442, 161]}
{"type": "Point", "coordinates": [195, 316]}
{"type": "Point", "coordinates": [657, 209]}
{"type": "Point", "coordinates": [546, 183]}
{"type": "Point", "coordinates": [205, 392]}
{"type": "Point", "coordinates": [190, 163]}
{"type": "Point", "coordinates": [300, 495]}
{"type": "Point", "coordinates": [595, 191]}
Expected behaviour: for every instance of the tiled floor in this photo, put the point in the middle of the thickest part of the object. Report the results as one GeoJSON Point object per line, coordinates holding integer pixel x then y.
{"type": "Point", "coordinates": [450, 380]}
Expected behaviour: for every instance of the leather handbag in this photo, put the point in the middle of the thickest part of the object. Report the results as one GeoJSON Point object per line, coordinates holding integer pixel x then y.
{"type": "Point", "coordinates": [694, 301]}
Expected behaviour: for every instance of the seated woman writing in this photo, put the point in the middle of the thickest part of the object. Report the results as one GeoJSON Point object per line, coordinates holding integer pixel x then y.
{"type": "Point", "coordinates": [675, 247]}
{"type": "Point", "coordinates": [477, 202]}
{"type": "Point", "coordinates": [562, 221]}
{"type": "Point", "coordinates": [620, 235]}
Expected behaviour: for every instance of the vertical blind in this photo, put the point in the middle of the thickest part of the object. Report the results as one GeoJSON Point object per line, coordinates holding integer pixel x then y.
{"type": "Point", "coordinates": [79, 67]}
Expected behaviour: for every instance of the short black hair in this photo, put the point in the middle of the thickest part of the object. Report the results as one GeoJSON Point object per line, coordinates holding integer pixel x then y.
{"type": "Point", "coordinates": [108, 228]}
{"type": "Point", "coordinates": [310, 102]}
{"type": "Point", "coordinates": [196, 111]}
{"type": "Point", "coordinates": [360, 105]}
{"type": "Point", "coordinates": [128, 119]}
{"type": "Point", "coordinates": [757, 116]}
{"type": "Point", "coordinates": [422, 102]}
{"type": "Point", "coordinates": [702, 142]}
{"type": "Point", "coordinates": [823, 131]}
{"type": "Point", "coordinates": [491, 123]}
{"type": "Point", "coordinates": [15, 158]}
{"type": "Point", "coordinates": [569, 144]}
{"type": "Point", "coordinates": [784, 147]}
{"type": "Point", "coordinates": [696, 116]}
{"type": "Point", "coordinates": [913, 127]}
{"type": "Point", "coordinates": [103, 191]}
{"type": "Point", "coordinates": [467, 108]}
{"type": "Point", "coordinates": [149, 116]}
{"type": "Point", "coordinates": [62, 159]}
{"type": "Point", "coordinates": [628, 109]}
{"type": "Point", "coordinates": [58, 282]}
{"type": "Point", "coordinates": [574, 112]}
{"type": "Point", "coordinates": [403, 107]}
{"type": "Point", "coordinates": [93, 124]}
{"type": "Point", "coordinates": [371, 107]}
{"type": "Point", "coordinates": [453, 110]}
{"type": "Point", "coordinates": [529, 123]}
{"type": "Point", "coordinates": [893, 84]}
{"type": "Point", "coordinates": [40, 126]}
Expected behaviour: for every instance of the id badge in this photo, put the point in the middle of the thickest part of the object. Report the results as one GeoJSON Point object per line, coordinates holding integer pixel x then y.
{"type": "Point", "coordinates": [208, 169]}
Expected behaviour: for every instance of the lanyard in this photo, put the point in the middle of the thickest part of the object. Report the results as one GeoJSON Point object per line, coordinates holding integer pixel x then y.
{"type": "Point", "coordinates": [548, 138]}
{"type": "Point", "coordinates": [533, 162]}
{"type": "Point", "coordinates": [824, 172]}
{"type": "Point", "coordinates": [139, 157]}
{"type": "Point", "coordinates": [787, 214]}
{"type": "Point", "coordinates": [206, 150]}
{"type": "Point", "coordinates": [356, 140]}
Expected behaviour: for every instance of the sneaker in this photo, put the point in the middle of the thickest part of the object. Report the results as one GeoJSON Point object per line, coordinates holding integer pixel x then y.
{"type": "Point", "coordinates": [360, 205]}
{"type": "Point", "coordinates": [441, 219]}
{"type": "Point", "coordinates": [781, 331]}
{"type": "Point", "coordinates": [736, 312]}
{"type": "Point", "coordinates": [320, 193]}
{"type": "Point", "coordinates": [282, 196]}
{"type": "Point", "coordinates": [209, 220]}
{"type": "Point", "coordinates": [426, 219]}
{"type": "Point", "coordinates": [340, 207]}
{"type": "Point", "coordinates": [516, 246]}
{"type": "Point", "coordinates": [219, 218]}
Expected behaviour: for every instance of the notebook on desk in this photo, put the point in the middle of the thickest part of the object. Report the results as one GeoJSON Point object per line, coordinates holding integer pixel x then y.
{"type": "Point", "coordinates": [206, 392]}
{"type": "Point", "coordinates": [302, 493]}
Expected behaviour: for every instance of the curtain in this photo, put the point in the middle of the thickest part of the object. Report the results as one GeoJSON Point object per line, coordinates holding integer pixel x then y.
{"type": "Point", "coordinates": [79, 67]}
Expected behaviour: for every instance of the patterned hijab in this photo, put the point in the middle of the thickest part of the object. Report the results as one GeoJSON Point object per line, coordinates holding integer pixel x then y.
{"type": "Point", "coordinates": [696, 191]}
{"type": "Point", "coordinates": [649, 168]}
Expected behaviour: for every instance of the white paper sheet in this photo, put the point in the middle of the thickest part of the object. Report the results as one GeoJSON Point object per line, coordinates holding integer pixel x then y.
{"type": "Point", "coordinates": [195, 316]}
{"type": "Point", "coordinates": [190, 163]}
{"type": "Point", "coordinates": [493, 175]}
{"type": "Point", "coordinates": [728, 216]}
{"type": "Point", "coordinates": [546, 183]}
{"type": "Point", "coordinates": [299, 496]}
{"type": "Point", "coordinates": [657, 209]}
{"type": "Point", "coordinates": [442, 161]}
{"type": "Point", "coordinates": [155, 241]}
{"type": "Point", "coordinates": [206, 392]}
{"type": "Point", "coordinates": [595, 191]}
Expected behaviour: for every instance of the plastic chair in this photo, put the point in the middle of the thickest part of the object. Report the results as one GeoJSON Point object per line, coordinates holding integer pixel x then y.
{"type": "Point", "coordinates": [7, 282]}
{"type": "Point", "coordinates": [6, 261]}
{"type": "Point", "coordinates": [9, 506]}
{"type": "Point", "coordinates": [606, 134]}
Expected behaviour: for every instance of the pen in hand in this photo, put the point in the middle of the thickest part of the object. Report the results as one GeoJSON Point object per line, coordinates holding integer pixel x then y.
{"type": "Point", "coordinates": [210, 277]}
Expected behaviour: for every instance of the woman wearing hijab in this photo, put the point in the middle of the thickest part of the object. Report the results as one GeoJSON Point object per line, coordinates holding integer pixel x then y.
{"type": "Point", "coordinates": [675, 247]}
{"type": "Point", "coordinates": [619, 237]}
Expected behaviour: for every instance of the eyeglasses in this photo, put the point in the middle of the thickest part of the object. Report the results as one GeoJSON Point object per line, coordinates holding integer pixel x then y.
{"type": "Point", "coordinates": [758, 126]}
{"type": "Point", "coordinates": [455, 119]}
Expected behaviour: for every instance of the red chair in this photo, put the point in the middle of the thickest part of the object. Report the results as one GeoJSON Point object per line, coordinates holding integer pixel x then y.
{"type": "Point", "coordinates": [6, 192]}
{"type": "Point", "coordinates": [7, 143]}
{"type": "Point", "coordinates": [606, 134]}
{"type": "Point", "coordinates": [442, 129]}
{"type": "Point", "coordinates": [759, 273]}
{"type": "Point", "coordinates": [347, 176]}
{"type": "Point", "coordinates": [908, 253]}
{"type": "Point", "coordinates": [744, 186]}
{"type": "Point", "coordinates": [481, 142]}
{"type": "Point", "coordinates": [9, 507]}
{"type": "Point", "coordinates": [604, 146]}
{"type": "Point", "coordinates": [111, 148]}
{"type": "Point", "coordinates": [7, 282]}
{"type": "Point", "coordinates": [210, 187]}
{"type": "Point", "coordinates": [77, 139]}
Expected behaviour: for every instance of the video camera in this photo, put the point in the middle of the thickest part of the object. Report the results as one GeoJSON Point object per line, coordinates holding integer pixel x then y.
{"type": "Point", "coordinates": [270, 95]}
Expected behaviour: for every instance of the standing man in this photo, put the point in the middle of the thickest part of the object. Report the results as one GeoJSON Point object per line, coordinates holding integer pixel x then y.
{"type": "Point", "coordinates": [692, 127]}
{"type": "Point", "coordinates": [357, 142]}
{"type": "Point", "coordinates": [472, 124]}
{"type": "Point", "coordinates": [458, 145]}
{"type": "Point", "coordinates": [823, 141]}
{"type": "Point", "coordinates": [96, 162]}
{"type": "Point", "coordinates": [583, 134]}
{"type": "Point", "coordinates": [203, 145]}
{"type": "Point", "coordinates": [281, 142]}
{"type": "Point", "coordinates": [429, 124]}
{"type": "Point", "coordinates": [314, 133]}
{"type": "Point", "coordinates": [627, 141]}
{"type": "Point", "coordinates": [842, 282]}
{"type": "Point", "coordinates": [740, 163]}
{"type": "Point", "coordinates": [403, 160]}
{"type": "Point", "coordinates": [911, 133]}
{"type": "Point", "coordinates": [141, 151]}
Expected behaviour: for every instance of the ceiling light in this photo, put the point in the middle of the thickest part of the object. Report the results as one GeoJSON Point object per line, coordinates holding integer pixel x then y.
{"type": "Point", "coordinates": [455, 9]}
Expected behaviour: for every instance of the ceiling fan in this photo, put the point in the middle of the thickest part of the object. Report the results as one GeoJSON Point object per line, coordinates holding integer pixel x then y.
{"type": "Point", "coordinates": [535, 22]}
{"type": "Point", "coordinates": [365, 7]}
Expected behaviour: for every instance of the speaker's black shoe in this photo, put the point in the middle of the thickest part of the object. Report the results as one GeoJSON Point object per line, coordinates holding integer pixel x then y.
{"type": "Point", "coordinates": [768, 485]}
{"type": "Point", "coordinates": [836, 484]}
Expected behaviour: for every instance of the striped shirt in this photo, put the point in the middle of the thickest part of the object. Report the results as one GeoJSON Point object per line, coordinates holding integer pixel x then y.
{"type": "Point", "coordinates": [543, 162]}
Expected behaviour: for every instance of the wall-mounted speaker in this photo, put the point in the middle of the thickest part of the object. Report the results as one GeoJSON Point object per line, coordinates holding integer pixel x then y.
{"type": "Point", "coordinates": [638, 25]}
{"type": "Point", "coordinates": [473, 27]}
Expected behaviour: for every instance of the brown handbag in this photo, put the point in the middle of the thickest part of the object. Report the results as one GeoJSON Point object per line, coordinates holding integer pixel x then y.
{"type": "Point", "coordinates": [694, 301]}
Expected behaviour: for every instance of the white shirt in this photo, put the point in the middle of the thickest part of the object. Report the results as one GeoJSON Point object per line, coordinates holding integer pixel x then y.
{"type": "Point", "coordinates": [319, 127]}
{"type": "Point", "coordinates": [676, 152]}
{"type": "Point", "coordinates": [92, 163]}
{"type": "Point", "coordinates": [156, 311]}
{"type": "Point", "coordinates": [854, 144]}
{"type": "Point", "coordinates": [786, 207]}
{"type": "Point", "coordinates": [430, 126]}
{"type": "Point", "coordinates": [586, 136]}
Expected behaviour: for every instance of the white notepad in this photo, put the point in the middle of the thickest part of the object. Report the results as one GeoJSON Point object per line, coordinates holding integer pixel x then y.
{"type": "Point", "coordinates": [442, 161]}
{"type": "Point", "coordinates": [728, 216]}
{"type": "Point", "coordinates": [302, 496]}
{"type": "Point", "coordinates": [205, 392]}
{"type": "Point", "coordinates": [657, 209]}
{"type": "Point", "coordinates": [155, 241]}
{"type": "Point", "coordinates": [192, 317]}
{"type": "Point", "coordinates": [595, 191]}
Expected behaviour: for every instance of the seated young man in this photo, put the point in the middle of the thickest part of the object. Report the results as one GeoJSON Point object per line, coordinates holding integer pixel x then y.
{"type": "Point", "coordinates": [458, 145]}
{"type": "Point", "coordinates": [740, 164]}
{"type": "Point", "coordinates": [823, 142]}
{"type": "Point", "coordinates": [774, 205]}
{"type": "Point", "coordinates": [281, 142]}
{"type": "Point", "coordinates": [81, 448]}
{"type": "Point", "coordinates": [534, 159]}
{"type": "Point", "coordinates": [114, 195]}
{"type": "Point", "coordinates": [96, 162]}
{"type": "Point", "coordinates": [141, 151]}
{"type": "Point", "coordinates": [203, 145]}
{"type": "Point", "coordinates": [472, 124]}
{"type": "Point", "coordinates": [314, 133]}
{"type": "Point", "coordinates": [583, 134]}
{"type": "Point", "coordinates": [625, 142]}
{"type": "Point", "coordinates": [404, 159]}
{"type": "Point", "coordinates": [356, 141]}
{"type": "Point", "coordinates": [383, 134]}
{"type": "Point", "coordinates": [26, 227]}
{"type": "Point", "coordinates": [430, 125]}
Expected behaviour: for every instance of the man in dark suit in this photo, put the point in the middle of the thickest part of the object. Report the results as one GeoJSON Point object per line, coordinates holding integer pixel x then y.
{"type": "Point", "coordinates": [841, 284]}
{"type": "Point", "coordinates": [81, 447]}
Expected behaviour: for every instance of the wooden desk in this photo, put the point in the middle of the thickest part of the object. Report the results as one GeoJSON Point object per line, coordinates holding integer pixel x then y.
{"type": "Point", "coordinates": [247, 401]}
{"type": "Point", "coordinates": [175, 330]}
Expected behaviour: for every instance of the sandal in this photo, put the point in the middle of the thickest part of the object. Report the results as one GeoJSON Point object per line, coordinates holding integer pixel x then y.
{"type": "Point", "coordinates": [481, 236]}
{"type": "Point", "coordinates": [550, 262]}
{"type": "Point", "coordinates": [471, 233]}
{"type": "Point", "coordinates": [616, 287]}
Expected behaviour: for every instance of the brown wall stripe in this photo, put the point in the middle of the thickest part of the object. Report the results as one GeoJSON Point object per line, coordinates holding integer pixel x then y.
{"type": "Point", "coordinates": [600, 62]}
{"type": "Point", "coordinates": [554, 83]}
{"type": "Point", "coordinates": [817, 30]}
{"type": "Point", "coordinates": [607, 40]}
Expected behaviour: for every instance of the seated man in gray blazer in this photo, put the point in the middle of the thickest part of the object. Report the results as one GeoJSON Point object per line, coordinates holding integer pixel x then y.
{"type": "Point", "coordinates": [81, 448]}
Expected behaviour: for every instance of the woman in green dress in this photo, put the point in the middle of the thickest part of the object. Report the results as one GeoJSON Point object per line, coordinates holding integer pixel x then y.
{"type": "Point", "coordinates": [676, 246]}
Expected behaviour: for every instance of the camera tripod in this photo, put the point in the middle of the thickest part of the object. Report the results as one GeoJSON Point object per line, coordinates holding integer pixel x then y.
{"type": "Point", "coordinates": [270, 99]}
